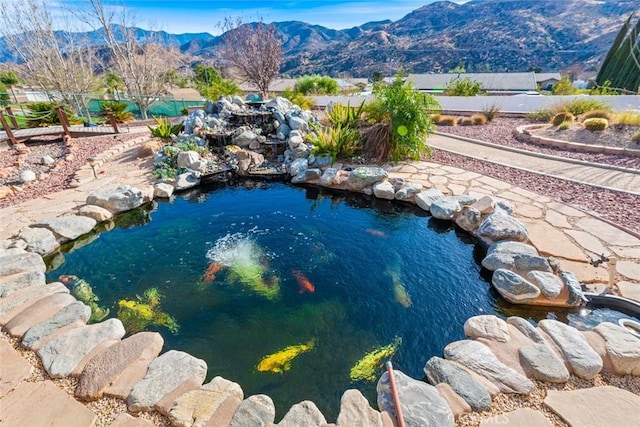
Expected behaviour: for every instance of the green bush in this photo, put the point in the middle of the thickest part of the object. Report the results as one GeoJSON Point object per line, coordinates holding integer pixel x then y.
{"type": "Point", "coordinates": [596, 124]}
{"type": "Point", "coordinates": [562, 117]}
{"type": "Point", "coordinates": [165, 128]}
{"type": "Point", "coordinates": [298, 98]}
{"type": "Point", "coordinates": [596, 114]}
{"type": "Point", "coordinates": [407, 111]}
{"type": "Point", "coordinates": [465, 121]}
{"type": "Point", "coordinates": [316, 85]}
{"type": "Point", "coordinates": [42, 114]}
{"type": "Point", "coordinates": [336, 141]}
{"type": "Point", "coordinates": [540, 116]}
{"type": "Point", "coordinates": [346, 115]}
{"type": "Point", "coordinates": [118, 109]}
{"type": "Point", "coordinates": [4, 95]}
{"type": "Point", "coordinates": [211, 85]}
{"type": "Point", "coordinates": [463, 87]}
{"type": "Point", "coordinates": [580, 106]}
{"type": "Point", "coordinates": [564, 87]}
{"type": "Point", "coordinates": [564, 125]}
{"type": "Point", "coordinates": [479, 119]}
{"type": "Point", "coordinates": [627, 118]}
{"type": "Point", "coordinates": [491, 112]}
{"type": "Point", "coordinates": [446, 121]}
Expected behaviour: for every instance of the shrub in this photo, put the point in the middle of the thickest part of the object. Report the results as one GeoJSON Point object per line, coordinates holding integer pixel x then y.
{"type": "Point", "coordinates": [596, 124]}
{"type": "Point", "coordinates": [4, 95]}
{"type": "Point", "coordinates": [346, 116]}
{"type": "Point", "coordinates": [540, 116]}
{"type": "Point", "coordinates": [336, 141]}
{"type": "Point", "coordinates": [564, 125]}
{"type": "Point", "coordinates": [627, 118]}
{"type": "Point", "coordinates": [118, 109]}
{"type": "Point", "coordinates": [463, 87]}
{"type": "Point", "coordinates": [636, 137]}
{"type": "Point", "coordinates": [316, 85]}
{"type": "Point", "coordinates": [465, 121]}
{"type": "Point", "coordinates": [562, 117]}
{"type": "Point", "coordinates": [43, 114]}
{"type": "Point", "coordinates": [564, 87]}
{"type": "Point", "coordinates": [491, 112]}
{"type": "Point", "coordinates": [165, 128]}
{"type": "Point", "coordinates": [298, 98]}
{"type": "Point", "coordinates": [596, 114]}
{"type": "Point", "coordinates": [479, 119]}
{"type": "Point", "coordinates": [580, 106]}
{"type": "Point", "coordinates": [446, 121]}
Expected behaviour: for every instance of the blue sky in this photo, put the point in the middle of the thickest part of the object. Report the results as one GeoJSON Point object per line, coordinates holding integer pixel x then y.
{"type": "Point", "coordinates": [181, 16]}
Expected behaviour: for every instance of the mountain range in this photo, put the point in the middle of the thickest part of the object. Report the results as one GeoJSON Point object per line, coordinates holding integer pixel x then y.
{"type": "Point", "coordinates": [480, 35]}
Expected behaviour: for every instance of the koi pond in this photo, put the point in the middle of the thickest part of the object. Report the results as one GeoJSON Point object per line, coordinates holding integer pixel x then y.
{"type": "Point", "coordinates": [289, 291]}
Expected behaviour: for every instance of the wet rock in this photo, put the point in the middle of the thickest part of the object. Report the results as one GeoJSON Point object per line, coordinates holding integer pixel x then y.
{"type": "Point", "coordinates": [622, 347]}
{"type": "Point", "coordinates": [190, 160]}
{"type": "Point", "coordinates": [445, 208]}
{"type": "Point", "coordinates": [425, 198]}
{"type": "Point", "coordinates": [544, 363]}
{"type": "Point", "coordinates": [526, 328]}
{"type": "Point", "coordinates": [584, 360]}
{"type": "Point", "coordinates": [39, 240]}
{"type": "Point", "coordinates": [118, 199]}
{"type": "Point", "coordinates": [439, 370]}
{"type": "Point", "coordinates": [165, 374]}
{"type": "Point", "coordinates": [162, 190]}
{"type": "Point", "coordinates": [257, 410]}
{"type": "Point", "coordinates": [477, 357]}
{"type": "Point", "coordinates": [549, 284]}
{"type": "Point", "coordinates": [328, 176]}
{"type": "Point", "coordinates": [303, 414]}
{"type": "Point", "coordinates": [244, 138]}
{"type": "Point", "coordinates": [75, 312]}
{"type": "Point", "coordinates": [513, 287]}
{"type": "Point", "coordinates": [96, 212]}
{"type": "Point", "coordinates": [197, 407]}
{"type": "Point", "coordinates": [62, 354]}
{"type": "Point", "coordinates": [469, 219]}
{"type": "Point", "coordinates": [67, 227]}
{"type": "Point", "coordinates": [308, 175]}
{"type": "Point", "coordinates": [107, 367]}
{"type": "Point", "coordinates": [487, 326]}
{"type": "Point", "coordinates": [365, 177]}
{"type": "Point", "coordinates": [186, 180]}
{"type": "Point", "coordinates": [421, 403]}
{"type": "Point", "coordinates": [298, 166]}
{"type": "Point", "coordinates": [355, 410]}
{"type": "Point", "coordinates": [408, 191]}
{"type": "Point", "coordinates": [572, 282]}
{"type": "Point", "coordinates": [499, 226]}
{"type": "Point", "coordinates": [248, 159]}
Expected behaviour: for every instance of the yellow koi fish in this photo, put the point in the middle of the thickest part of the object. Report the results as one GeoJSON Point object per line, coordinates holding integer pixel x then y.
{"type": "Point", "coordinates": [366, 367]}
{"type": "Point", "coordinates": [281, 361]}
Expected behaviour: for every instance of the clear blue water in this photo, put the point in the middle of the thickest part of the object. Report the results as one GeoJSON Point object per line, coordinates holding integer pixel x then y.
{"type": "Point", "coordinates": [353, 249]}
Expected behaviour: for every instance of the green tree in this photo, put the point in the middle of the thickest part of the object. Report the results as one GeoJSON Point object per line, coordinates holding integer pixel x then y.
{"type": "Point", "coordinates": [9, 78]}
{"type": "Point", "coordinates": [210, 84]}
{"type": "Point", "coordinates": [4, 95]}
{"type": "Point", "coordinates": [113, 83]}
{"type": "Point", "coordinates": [462, 87]}
{"type": "Point", "coordinates": [564, 87]}
{"type": "Point", "coordinates": [458, 69]}
{"type": "Point", "coordinates": [316, 85]}
{"type": "Point", "coordinates": [621, 66]}
{"type": "Point", "coordinates": [376, 77]}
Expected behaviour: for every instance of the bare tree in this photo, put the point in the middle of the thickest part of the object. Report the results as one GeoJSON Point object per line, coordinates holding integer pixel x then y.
{"type": "Point", "coordinates": [251, 52]}
{"type": "Point", "coordinates": [59, 62]}
{"type": "Point", "coordinates": [143, 66]}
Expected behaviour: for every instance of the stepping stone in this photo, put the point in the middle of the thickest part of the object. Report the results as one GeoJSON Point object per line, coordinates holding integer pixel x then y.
{"type": "Point", "coordinates": [508, 352]}
{"type": "Point", "coordinates": [21, 263]}
{"type": "Point", "coordinates": [584, 360]}
{"type": "Point", "coordinates": [257, 410]}
{"type": "Point", "coordinates": [355, 410]}
{"type": "Point", "coordinates": [13, 369]}
{"type": "Point", "coordinates": [477, 357]}
{"type": "Point", "coordinates": [598, 406]}
{"type": "Point", "coordinates": [73, 314]}
{"type": "Point", "coordinates": [37, 312]}
{"type": "Point", "coordinates": [526, 329]}
{"type": "Point", "coordinates": [457, 404]}
{"type": "Point", "coordinates": [443, 371]}
{"type": "Point", "coordinates": [622, 347]}
{"type": "Point", "coordinates": [41, 403]}
{"type": "Point", "coordinates": [167, 373]}
{"type": "Point", "coordinates": [421, 403]}
{"type": "Point", "coordinates": [120, 366]}
{"type": "Point", "coordinates": [550, 241]}
{"type": "Point", "coordinates": [126, 420]}
{"type": "Point", "coordinates": [523, 417]}
{"type": "Point", "coordinates": [19, 300]}
{"type": "Point", "coordinates": [13, 282]}
{"type": "Point", "coordinates": [197, 407]}
{"type": "Point", "coordinates": [67, 227]}
{"type": "Point", "coordinates": [61, 355]}
{"type": "Point", "coordinates": [487, 326]}
{"type": "Point", "coordinates": [305, 413]}
{"type": "Point", "coordinates": [544, 363]}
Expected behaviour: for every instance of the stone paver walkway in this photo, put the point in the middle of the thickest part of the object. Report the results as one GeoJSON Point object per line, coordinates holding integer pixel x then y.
{"type": "Point", "coordinates": [584, 172]}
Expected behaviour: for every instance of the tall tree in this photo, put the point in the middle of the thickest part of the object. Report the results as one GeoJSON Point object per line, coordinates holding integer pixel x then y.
{"type": "Point", "coordinates": [251, 52]}
{"type": "Point", "coordinates": [58, 62]}
{"type": "Point", "coordinates": [142, 65]}
{"type": "Point", "coordinates": [621, 66]}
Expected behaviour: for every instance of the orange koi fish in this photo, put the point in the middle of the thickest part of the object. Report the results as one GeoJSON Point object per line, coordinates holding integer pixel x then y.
{"type": "Point", "coordinates": [303, 283]}
{"type": "Point", "coordinates": [210, 272]}
{"type": "Point", "coordinates": [377, 233]}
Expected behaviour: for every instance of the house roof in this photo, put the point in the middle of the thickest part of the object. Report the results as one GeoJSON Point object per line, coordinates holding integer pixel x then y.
{"type": "Point", "coordinates": [186, 94]}
{"type": "Point", "coordinates": [489, 81]}
{"type": "Point", "coordinates": [278, 85]}
{"type": "Point", "coordinates": [543, 77]}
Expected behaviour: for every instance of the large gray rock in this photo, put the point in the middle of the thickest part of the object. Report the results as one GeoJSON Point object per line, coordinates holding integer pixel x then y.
{"type": "Point", "coordinates": [118, 199]}
{"type": "Point", "coordinates": [356, 411]}
{"type": "Point", "coordinates": [526, 328]}
{"type": "Point", "coordinates": [549, 284]}
{"type": "Point", "coordinates": [425, 198]}
{"type": "Point", "coordinates": [297, 123]}
{"type": "Point", "coordinates": [68, 227]}
{"type": "Point", "coordinates": [308, 175]}
{"type": "Point", "coordinates": [445, 208]}
{"type": "Point", "coordinates": [365, 176]}
{"type": "Point", "coordinates": [196, 407]}
{"type": "Point", "coordinates": [63, 353]}
{"type": "Point", "coordinates": [165, 374]}
{"type": "Point", "coordinates": [328, 176]}
{"type": "Point", "coordinates": [544, 363]}
{"type": "Point", "coordinates": [39, 240]}
{"type": "Point", "coordinates": [21, 263]}
{"type": "Point", "coordinates": [513, 287]}
{"type": "Point", "coordinates": [485, 205]}
{"type": "Point", "coordinates": [499, 226]}
{"type": "Point", "coordinates": [526, 262]}
{"type": "Point", "coordinates": [464, 199]}
{"type": "Point", "coordinates": [162, 190]}
{"type": "Point", "coordinates": [622, 347]}
{"type": "Point", "coordinates": [422, 405]}
{"type": "Point", "coordinates": [190, 160]}
{"type": "Point", "coordinates": [439, 370]}
{"type": "Point", "coordinates": [501, 254]}
{"type": "Point", "coordinates": [186, 180]}
{"type": "Point", "coordinates": [298, 166]}
{"type": "Point", "coordinates": [13, 282]}
{"type": "Point", "coordinates": [245, 138]}
{"type": "Point", "coordinates": [572, 283]}
{"type": "Point", "coordinates": [487, 326]}
{"type": "Point", "coordinates": [75, 312]}
{"type": "Point", "coordinates": [255, 411]}
{"type": "Point", "coordinates": [105, 368]}
{"type": "Point", "coordinates": [469, 219]}
{"type": "Point", "coordinates": [37, 312]}
{"type": "Point", "coordinates": [384, 190]}
{"type": "Point", "coordinates": [408, 191]}
{"type": "Point", "coordinates": [279, 104]}
{"type": "Point", "coordinates": [583, 359]}
{"type": "Point", "coordinates": [305, 413]}
{"type": "Point", "coordinates": [477, 357]}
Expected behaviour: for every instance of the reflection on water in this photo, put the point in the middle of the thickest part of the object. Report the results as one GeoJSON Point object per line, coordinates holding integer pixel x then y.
{"type": "Point", "coordinates": [588, 318]}
{"type": "Point", "coordinates": [296, 293]}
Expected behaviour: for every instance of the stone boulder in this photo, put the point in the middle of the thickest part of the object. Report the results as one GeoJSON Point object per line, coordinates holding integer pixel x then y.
{"type": "Point", "coordinates": [21, 299]}
{"type": "Point", "coordinates": [13, 282]}
{"type": "Point", "coordinates": [67, 227]}
{"type": "Point", "coordinates": [298, 166]}
{"type": "Point", "coordinates": [513, 287]}
{"type": "Point", "coordinates": [95, 212]}
{"type": "Point", "coordinates": [298, 123]}
{"type": "Point", "coordinates": [27, 176]}
{"type": "Point", "coordinates": [305, 413]}
{"type": "Point", "coordinates": [118, 199]}
{"type": "Point", "coordinates": [328, 176]}
{"type": "Point", "coordinates": [384, 190]}
{"type": "Point", "coordinates": [469, 219]}
{"type": "Point", "coordinates": [439, 370]}
{"type": "Point", "coordinates": [408, 191]}
{"type": "Point", "coordinates": [487, 326]}
{"type": "Point", "coordinates": [526, 329]}
{"type": "Point", "coordinates": [355, 410]}
{"type": "Point", "coordinates": [425, 198]}
{"type": "Point", "coordinates": [257, 410]}
{"type": "Point", "coordinates": [20, 263]}
{"type": "Point", "coordinates": [190, 160]}
{"type": "Point", "coordinates": [186, 180]}
{"type": "Point", "coordinates": [622, 347]}
{"type": "Point", "coordinates": [572, 283]}
{"type": "Point", "coordinates": [245, 138]}
{"type": "Point", "coordinates": [421, 403]}
{"type": "Point", "coordinates": [162, 190]}
{"type": "Point", "coordinates": [499, 226]}
{"type": "Point", "coordinates": [456, 403]}
{"type": "Point", "coordinates": [445, 208]}
{"type": "Point", "coordinates": [75, 313]}
{"type": "Point", "coordinates": [549, 284]}
{"type": "Point", "coordinates": [465, 200]}
{"type": "Point", "coordinates": [309, 175]}
{"type": "Point", "coordinates": [365, 176]}
{"type": "Point", "coordinates": [485, 205]}
{"type": "Point", "coordinates": [544, 363]}
{"type": "Point", "coordinates": [39, 240]}
{"type": "Point", "coordinates": [248, 159]}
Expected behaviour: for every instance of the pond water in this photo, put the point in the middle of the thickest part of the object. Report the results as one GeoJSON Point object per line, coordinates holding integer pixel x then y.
{"type": "Point", "coordinates": [285, 289]}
